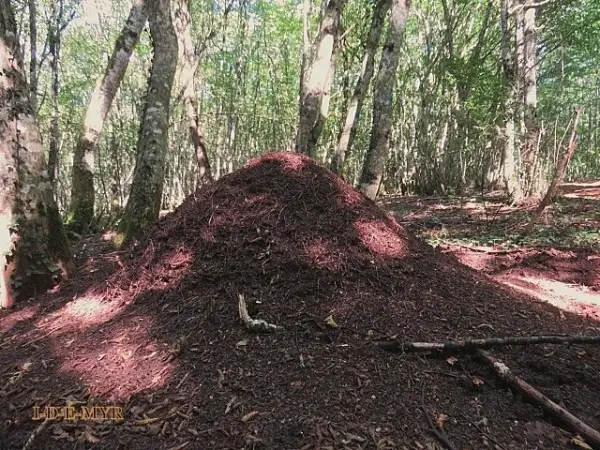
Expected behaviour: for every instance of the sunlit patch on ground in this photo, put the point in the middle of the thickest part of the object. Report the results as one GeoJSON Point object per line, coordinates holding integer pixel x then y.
{"type": "Point", "coordinates": [9, 319]}
{"type": "Point", "coordinates": [321, 253]}
{"type": "Point", "coordinates": [588, 190]}
{"type": "Point", "coordinates": [116, 362]}
{"type": "Point", "coordinates": [568, 297]}
{"type": "Point", "coordinates": [380, 239]}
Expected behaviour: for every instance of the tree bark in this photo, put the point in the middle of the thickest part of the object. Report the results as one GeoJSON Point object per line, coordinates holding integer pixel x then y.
{"type": "Point", "coordinates": [190, 63]}
{"type": "Point", "coordinates": [350, 125]}
{"type": "Point", "coordinates": [377, 154]}
{"type": "Point", "coordinates": [532, 129]}
{"type": "Point", "coordinates": [143, 204]}
{"type": "Point", "coordinates": [318, 78]}
{"type": "Point", "coordinates": [54, 41]}
{"type": "Point", "coordinates": [33, 75]}
{"type": "Point", "coordinates": [83, 192]}
{"type": "Point", "coordinates": [509, 71]}
{"type": "Point", "coordinates": [34, 252]}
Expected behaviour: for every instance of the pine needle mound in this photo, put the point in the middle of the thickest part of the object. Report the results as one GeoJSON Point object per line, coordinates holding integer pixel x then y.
{"type": "Point", "coordinates": [295, 239]}
{"type": "Point", "coordinates": [333, 273]}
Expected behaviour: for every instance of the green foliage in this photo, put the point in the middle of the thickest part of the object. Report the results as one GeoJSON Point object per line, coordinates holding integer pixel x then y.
{"type": "Point", "coordinates": [448, 94]}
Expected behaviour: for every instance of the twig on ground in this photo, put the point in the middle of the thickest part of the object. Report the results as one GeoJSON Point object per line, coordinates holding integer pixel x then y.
{"type": "Point", "coordinates": [254, 325]}
{"type": "Point", "coordinates": [438, 434]}
{"type": "Point", "coordinates": [487, 435]}
{"type": "Point", "coordinates": [34, 434]}
{"type": "Point", "coordinates": [470, 344]}
{"type": "Point", "coordinates": [591, 435]}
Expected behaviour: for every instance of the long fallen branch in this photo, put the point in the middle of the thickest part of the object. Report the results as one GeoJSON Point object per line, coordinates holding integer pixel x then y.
{"type": "Point", "coordinates": [470, 344]}
{"type": "Point", "coordinates": [591, 435]}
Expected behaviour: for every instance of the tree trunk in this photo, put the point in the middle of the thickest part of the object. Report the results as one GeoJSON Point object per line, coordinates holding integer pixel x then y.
{"type": "Point", "coordinates": [306, 12]}
{"type": "Point", "coordinates": [318, 78]}
{"type": "Point", "coordinates": [190, 63]}
{"type": "Point", "coordinates": [509, 71]}
{"type": "Point", "coordinates": [33, 247]}
{"type": "Point", "coordinates": [350, 125]}
{"type": "Point", "coordinates": [143, 205]}
{"type": "Point", "coordinates": [377, 154]}
{"type": "Point", "coordinates": [532, 129]}
{"type": "Point", "coordinates": [33, 76]}
{"type": "Point", "coordinates": [54, 38]}
{"type": "Point", "coordinates": [83, 193]}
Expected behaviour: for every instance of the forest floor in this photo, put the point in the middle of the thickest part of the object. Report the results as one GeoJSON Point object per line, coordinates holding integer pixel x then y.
{"type": "Point", "coordinates": [155, 329]}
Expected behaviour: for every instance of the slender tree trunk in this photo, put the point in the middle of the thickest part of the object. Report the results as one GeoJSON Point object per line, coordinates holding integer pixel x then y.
{"type": "Point", "coordinates": [306, 12]}
{"type": "Point", "coordinates": [54, 38]}
{"type": "Point", "coordinates": [190, 63]}
{"type": "Point", "coordinates": [34, 252]}
{"type": "Point", "coordinates": [377, 154]}
{"type": "Point", "coordinates": [33, 75]}
{"type": "Point", "coordinates": [83, 192]}
{"type": "Point", "coordinates": [350, 125]}
{"type": "Point", "coordinates": [143, 205]}
{"type": "Point", "coordinates": [318, 78]}
{"type": "Point", "coordinates": [532, 128]}
{"type": "Point", "coordinates": [509, 71]}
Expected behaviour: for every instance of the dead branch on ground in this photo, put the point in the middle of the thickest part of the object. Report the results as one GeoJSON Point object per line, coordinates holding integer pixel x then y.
{"type": "Point", "coordinates": [470, 344]}
{"type": "Point", "coordinates": [254, 325]}
{"type": "Point", "coordinates": [591, 435]}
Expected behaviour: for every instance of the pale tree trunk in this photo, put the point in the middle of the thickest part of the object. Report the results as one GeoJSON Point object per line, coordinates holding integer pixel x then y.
{"type": "Point", "coordinates": [350, 125]}
{"type": "Point", "coordinates": [532, 130]}
{"type": "Point", "coordinates": [509, 71]}
{"type": "Point", "coordinates": [34, 252]}
{"type": "Point", "coordinates": [54, 38]}
{"type": "Point", "coordinates": [33, 76]}
{"type": "Point", "coordinates": [377, 154]}
{"type": "Point", "coordinates": [317, 81]}
{"type": "Point", "coordinates": [83, 192]}
{"type": "Point", "coordinates": [306, 12]}
{"type": "Point", "coordinates": [144, 202]}
{"type": "Point", "coordinates": [190, 64]}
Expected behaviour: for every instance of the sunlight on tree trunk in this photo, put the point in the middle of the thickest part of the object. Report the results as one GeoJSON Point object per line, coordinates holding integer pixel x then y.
{"type": "Point", "coordinates": [33, 247]}
{"type": "Point", "coordinates": [377, 154]}
{"type": "Point", "coordinates": [83, 192]}
{"type": "Point", "coordinates": [318, 79]}
{"type": "Point", "coordinates": [350, 124]}
{"type": "Point", "coordinates": [143, 205]}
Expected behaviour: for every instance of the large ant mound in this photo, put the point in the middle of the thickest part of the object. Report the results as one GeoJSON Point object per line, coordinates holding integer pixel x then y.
{"type": "Point", "coordinates": [294, 239]}
{"type": "Point", "coordinates": [313, 256]}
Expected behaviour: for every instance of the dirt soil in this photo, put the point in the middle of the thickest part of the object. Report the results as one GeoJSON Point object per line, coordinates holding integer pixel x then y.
{"type": "Point", "coordinates": [155, 329]}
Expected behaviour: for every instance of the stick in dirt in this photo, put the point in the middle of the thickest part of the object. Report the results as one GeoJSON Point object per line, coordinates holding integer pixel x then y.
{"type": "Point", "coordinates": [470, 344]}
{"type": "Point", "coordinates": [438, 434]}
{"type": "Point", "coordinates": [591, 435]}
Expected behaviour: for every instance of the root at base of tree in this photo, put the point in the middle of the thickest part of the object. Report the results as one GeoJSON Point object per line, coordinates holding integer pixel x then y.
{"type": "Point", "coordinates": [591, 435]}
{"type": "Point", "coordinates": [254, 325]}
{"type": "Point", "coordinates": [470, 344]}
